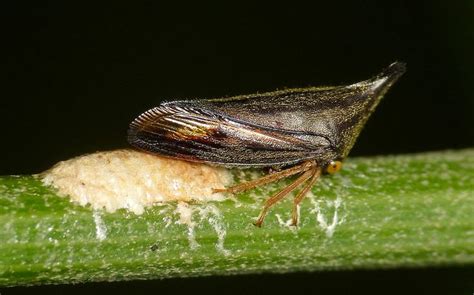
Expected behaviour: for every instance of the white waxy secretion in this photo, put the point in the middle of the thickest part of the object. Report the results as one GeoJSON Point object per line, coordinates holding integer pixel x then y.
{"type": "Point", "coordinates": [134, 180]}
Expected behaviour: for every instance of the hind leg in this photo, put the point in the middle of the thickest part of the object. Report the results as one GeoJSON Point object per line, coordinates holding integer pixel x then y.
{"type": "Point", "coordinates": [305, 166]}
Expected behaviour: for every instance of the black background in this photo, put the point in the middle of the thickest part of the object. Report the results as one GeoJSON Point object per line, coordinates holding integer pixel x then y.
{"type": "Point", "coordinates": [446, 281]}
{"type": "Point", "coordinates": [77, 74]}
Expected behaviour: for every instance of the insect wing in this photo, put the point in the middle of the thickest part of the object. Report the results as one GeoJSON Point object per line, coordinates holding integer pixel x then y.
{"type": "Point", "coordinates": [202, 135]}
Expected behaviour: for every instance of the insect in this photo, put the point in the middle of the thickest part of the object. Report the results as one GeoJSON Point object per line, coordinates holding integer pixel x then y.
{"type": "Point", "coordinates": [306, 132]}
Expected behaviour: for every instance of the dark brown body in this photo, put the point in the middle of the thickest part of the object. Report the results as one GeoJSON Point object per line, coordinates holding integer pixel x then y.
{"type": "Point", "coordinates": [309, 130]}
{"type": "Point", "coordinates": [280, 128]}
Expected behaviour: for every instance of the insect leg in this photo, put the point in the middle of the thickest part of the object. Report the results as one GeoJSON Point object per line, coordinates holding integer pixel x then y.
{"type": "Point", "coordinates": [266, 179]}
{"type": "Point", "coordinates": [272, 170]}
{"type": "Point", "coordinates": [280, 195]}
{"type": "Point", "coordinates": [294, 215]}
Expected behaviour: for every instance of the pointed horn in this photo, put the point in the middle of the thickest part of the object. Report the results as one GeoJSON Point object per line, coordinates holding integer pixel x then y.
{"type": "Point", "coordinates": [383, 81]}
{"type": "Point", "coordinates": [366, 96]}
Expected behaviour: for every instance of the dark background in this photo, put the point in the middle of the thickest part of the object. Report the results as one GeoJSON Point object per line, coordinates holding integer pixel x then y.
{"type": "Point", "coordinates": [77, 74]}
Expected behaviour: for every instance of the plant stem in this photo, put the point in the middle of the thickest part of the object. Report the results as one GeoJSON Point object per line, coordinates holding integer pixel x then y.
{"type": "Point", "coordinates": [393, 211]}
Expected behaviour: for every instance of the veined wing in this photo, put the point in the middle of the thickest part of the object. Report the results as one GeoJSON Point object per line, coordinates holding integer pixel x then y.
{"type": "Point", "coordinates": [201, 135]}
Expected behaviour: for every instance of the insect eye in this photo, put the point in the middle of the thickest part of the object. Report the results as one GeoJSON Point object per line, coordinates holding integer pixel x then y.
{"type": "Point", "coordinates": [333, 167]}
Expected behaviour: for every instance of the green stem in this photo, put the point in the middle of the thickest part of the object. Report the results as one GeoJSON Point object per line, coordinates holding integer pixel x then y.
{"type": "Point", "coordinates": [414, 210]}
